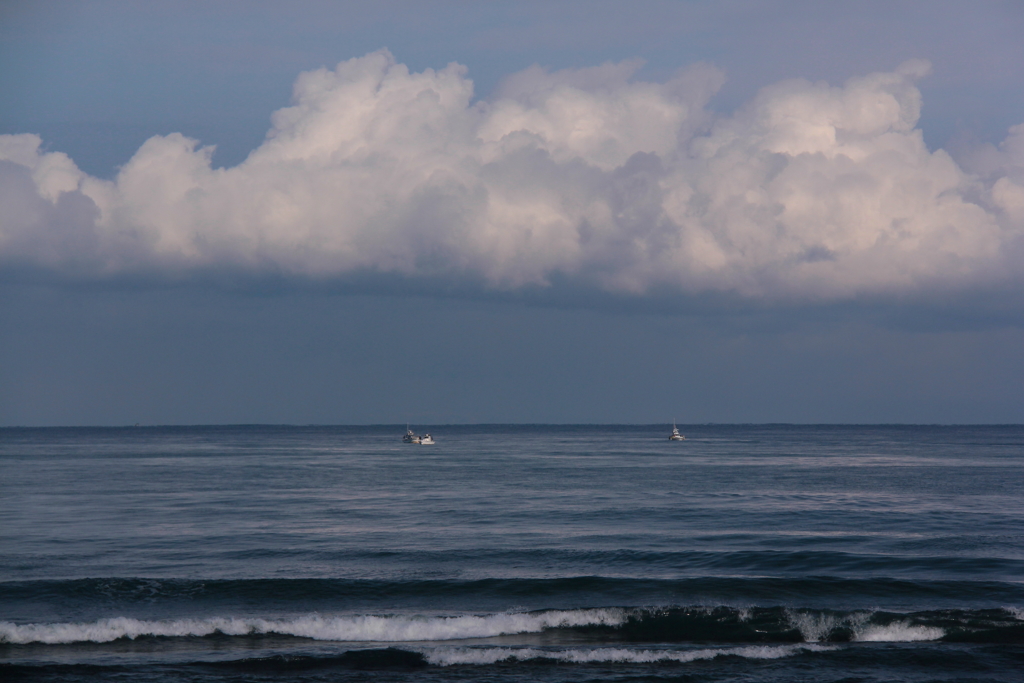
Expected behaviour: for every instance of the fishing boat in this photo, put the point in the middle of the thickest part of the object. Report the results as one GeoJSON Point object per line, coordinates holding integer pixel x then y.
{"type": "Point", "coordinates": [676, 436]}
{"type": "Point", "coordinates": [412, 437]}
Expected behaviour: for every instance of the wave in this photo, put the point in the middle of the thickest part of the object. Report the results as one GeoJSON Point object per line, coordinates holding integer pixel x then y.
{"type": "Point", "coordinates": [909, 555]}
{"type": "Point", "coordinates": [604, 625]}
{"type": "Point", "coordinates": [396, 658]}
{"type": "Point", "coordinates": [386, 629]}
{"type": "Point", "coordinates": [494, 655]}
{"type": "Point", "coordinates": [292, 592]}
{"type": "Point", "coordinates": [858, 626]}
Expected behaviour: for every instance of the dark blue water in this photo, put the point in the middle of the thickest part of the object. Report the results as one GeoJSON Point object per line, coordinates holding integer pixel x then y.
{"type": "Point", "coordinates": [511, 553]}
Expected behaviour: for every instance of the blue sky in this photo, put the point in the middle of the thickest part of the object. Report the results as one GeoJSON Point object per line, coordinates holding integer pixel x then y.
{"type": "Point", "coordinates": [532, 212]}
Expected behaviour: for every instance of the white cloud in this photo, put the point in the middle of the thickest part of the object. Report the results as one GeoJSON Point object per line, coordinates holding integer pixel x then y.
{"type": "Point", "coordinates": [809, 192]}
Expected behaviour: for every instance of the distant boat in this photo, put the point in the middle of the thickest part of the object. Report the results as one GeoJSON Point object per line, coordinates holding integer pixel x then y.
{"type": "Point", "coordinates": [676, 436]}
{"type": "Point", "coordinates": [412, 437]}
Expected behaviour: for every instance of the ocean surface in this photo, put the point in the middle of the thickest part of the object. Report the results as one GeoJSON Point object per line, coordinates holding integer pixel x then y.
{"type": "Point", "coordinates": [512, 553]}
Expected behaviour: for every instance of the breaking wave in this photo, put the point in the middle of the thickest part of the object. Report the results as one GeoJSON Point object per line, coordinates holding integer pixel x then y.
{"type": "Point", "coordinates": [605, 626]}
{"type": "Point", "coordinates": [388, 629]}
{"type": "Point", "coordinates": [815, 627]}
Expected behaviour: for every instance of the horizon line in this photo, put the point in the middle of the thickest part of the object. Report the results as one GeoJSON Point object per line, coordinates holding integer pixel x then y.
{"type": "Point", "coordinates": [513, 424]}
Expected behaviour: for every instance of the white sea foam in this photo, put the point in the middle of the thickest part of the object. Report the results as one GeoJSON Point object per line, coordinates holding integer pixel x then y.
{"type": "Point", "coordinates": [900, 632]}
{"type": "Point", "coordinates": [492, 655]}
{"type": "Point", "coordinates": [355, 628]}
{"type": "Point", "coordinates": [1017, 612]}
{"type": "Point", "coordinates": [817, 627]}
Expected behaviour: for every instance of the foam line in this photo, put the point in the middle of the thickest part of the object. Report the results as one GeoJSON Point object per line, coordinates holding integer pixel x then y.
{"type": "Point", "coordinates": [900, 632]}
{"type": "Point", "coordinates": [392, 629]}
{"type": "Point", "coordinates": [492, 655]}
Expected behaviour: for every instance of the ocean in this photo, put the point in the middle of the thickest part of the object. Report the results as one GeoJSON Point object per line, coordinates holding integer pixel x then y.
{"type": "Point", "coordinates": [512, 553]}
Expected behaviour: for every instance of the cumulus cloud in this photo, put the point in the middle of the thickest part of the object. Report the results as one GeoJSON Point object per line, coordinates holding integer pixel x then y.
{"type": "Point", "coordinates": [588, 176]}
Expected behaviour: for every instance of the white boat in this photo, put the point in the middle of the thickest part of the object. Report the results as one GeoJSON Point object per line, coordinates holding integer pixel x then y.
{"type": "Point", "coordinates": [412, 437]}
{"type": "Point", "coordinates": [676, 436]}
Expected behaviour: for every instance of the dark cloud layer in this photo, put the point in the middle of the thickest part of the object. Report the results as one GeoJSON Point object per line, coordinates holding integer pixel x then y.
{"type": "Point", "coordinates": [185, 356]}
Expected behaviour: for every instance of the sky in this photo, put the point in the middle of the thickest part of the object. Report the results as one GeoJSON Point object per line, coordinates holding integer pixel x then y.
{"type": "Point", "coordinates": [455, 212]}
